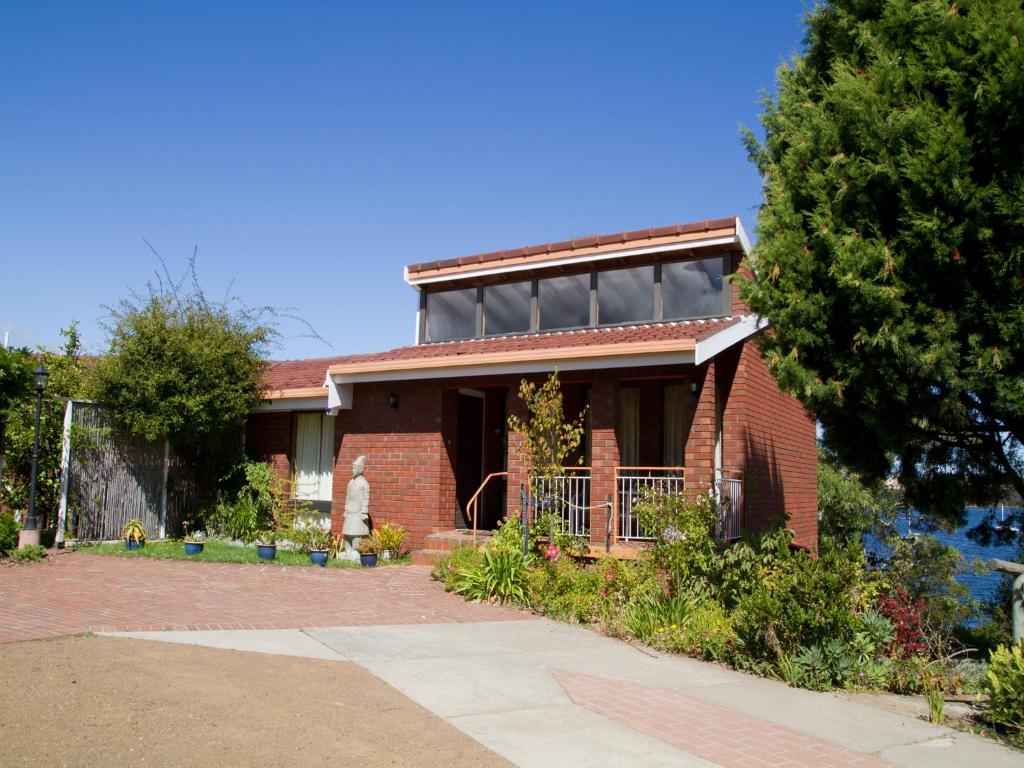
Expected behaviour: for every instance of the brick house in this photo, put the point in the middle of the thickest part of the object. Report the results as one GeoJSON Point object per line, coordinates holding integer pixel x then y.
{"type": "Point", "coordinates": [650, 338]}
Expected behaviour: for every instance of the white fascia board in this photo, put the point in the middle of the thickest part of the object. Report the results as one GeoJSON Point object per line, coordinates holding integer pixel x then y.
{"type": "Point", "coordinates": [570, 260]}
{"type": "Point", "coordinates": [315, 403]}
{"type": "Point", "coordinates": [722, 340]}
{"type": "Point", "coordinates": [339, 395]}
{"type": "Point", "coordinates": [743, 238]}
{"type": "Point", "coordinates": [541, 366]}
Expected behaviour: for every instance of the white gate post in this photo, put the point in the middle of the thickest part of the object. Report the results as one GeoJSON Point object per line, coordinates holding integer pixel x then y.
{"type": "Point", "coordinates": [163, 490]}
{"type": "Point", "coordinates": [65, 467]}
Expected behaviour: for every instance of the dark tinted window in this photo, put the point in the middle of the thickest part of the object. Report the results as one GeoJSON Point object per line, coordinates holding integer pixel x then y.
{"type": "Point", "coordinates": [507, 308]}
{"type": "Point", "coordinates": [564, 302]}
{"type": "Point", "coordinates": [451, 315]}
{"type": "Point", "coordinates": [692, 288]}
{"type": "Point", "coordinates": [625, 295]}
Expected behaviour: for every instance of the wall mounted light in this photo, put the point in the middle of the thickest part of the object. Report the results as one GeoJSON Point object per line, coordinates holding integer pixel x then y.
{"type": "Point", "coordinates": [695, 388]}
{"type": "Point", "coordinates": [393, 400]}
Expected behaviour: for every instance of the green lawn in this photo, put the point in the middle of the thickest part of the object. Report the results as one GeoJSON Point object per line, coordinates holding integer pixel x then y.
{"type": "Point", "coordinates": [220, 552]}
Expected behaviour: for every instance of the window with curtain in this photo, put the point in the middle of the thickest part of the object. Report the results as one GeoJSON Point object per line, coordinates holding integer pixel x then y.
{"type": "Point", "coordinates": [675, 424]}
{"type": "Point", "coordinates": [629, 426]}
{"type": "Point", "coordinates": [314, 456]}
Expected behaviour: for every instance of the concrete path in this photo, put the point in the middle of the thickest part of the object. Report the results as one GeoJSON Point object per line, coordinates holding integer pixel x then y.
{"type": "Point", "coordinates": [541, 693]}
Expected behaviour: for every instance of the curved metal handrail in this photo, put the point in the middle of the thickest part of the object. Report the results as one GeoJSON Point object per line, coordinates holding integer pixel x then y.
{"type": "Point", "coordinates": [474, 500]}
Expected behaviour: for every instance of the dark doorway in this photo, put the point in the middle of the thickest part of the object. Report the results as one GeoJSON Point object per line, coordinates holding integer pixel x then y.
{"type": "Point", "coordinates": [481, 450]}
{"type": "Point", "coordinates": [469, 464]}
{"type": "Point", "coordinates": [495, 458]}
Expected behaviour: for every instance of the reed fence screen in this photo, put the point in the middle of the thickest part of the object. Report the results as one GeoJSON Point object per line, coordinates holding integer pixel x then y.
{"type": "Point", "coordinates": [111, 477]}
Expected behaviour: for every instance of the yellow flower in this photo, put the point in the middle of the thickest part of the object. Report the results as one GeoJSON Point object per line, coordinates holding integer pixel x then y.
{"type": "Point", "coordinates": [673, 626]}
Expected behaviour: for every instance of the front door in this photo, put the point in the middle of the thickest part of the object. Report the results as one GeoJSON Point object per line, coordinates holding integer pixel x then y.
{"type": "Point", "coordinates": [469, 453]}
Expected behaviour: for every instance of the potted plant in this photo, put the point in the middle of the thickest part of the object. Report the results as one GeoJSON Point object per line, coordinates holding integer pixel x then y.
{"type": "Point", "coordinates": [194, 542]}
{"type": "Point", "coordinates": [389, 539]}
{"type": "Point", "coordinates": [133, 534]}
{"type": "Point", "coordinates": [367, 552]}
{"type": "Point", "coordinates": [318, 543]}
{"type": "Point", "coordinates": [266, 545]}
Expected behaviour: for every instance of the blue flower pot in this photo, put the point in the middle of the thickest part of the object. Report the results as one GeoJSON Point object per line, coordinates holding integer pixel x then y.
{"type": "Point", "coordinates": [193, 547]}
{"type": "Point", "coordinates": [368, 561]}
{"type": "Point", "coordinates": [266, 551]}
{"type": "Point", "coordinates": [129, 544]}
{"type": "Point", "coordinates": [318, 558]}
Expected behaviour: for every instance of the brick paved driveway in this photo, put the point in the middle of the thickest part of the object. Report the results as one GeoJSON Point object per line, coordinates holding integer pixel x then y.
{"type": "Point", "coordinates": [75, 592]}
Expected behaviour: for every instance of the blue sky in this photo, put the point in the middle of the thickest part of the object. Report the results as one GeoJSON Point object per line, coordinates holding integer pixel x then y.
{"type": "Point", "coordinates": [311, 150]}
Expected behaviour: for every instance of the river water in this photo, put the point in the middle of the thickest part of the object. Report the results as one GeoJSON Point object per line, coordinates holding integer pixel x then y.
{"type": "Point", "coordinates": [981, 586]}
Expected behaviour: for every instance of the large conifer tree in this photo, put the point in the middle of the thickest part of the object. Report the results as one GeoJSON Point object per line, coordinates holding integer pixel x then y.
{"type": "Point", "coordinates": [891, 236]}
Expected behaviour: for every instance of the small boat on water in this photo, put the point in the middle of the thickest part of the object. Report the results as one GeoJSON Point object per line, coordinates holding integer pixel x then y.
{"type": "Point", "coordinates": [1003, 525]}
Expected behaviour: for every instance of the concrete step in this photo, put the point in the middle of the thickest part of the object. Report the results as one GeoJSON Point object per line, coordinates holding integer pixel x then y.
{"type": "Point", "coordinates": [448, 540]}
{"type": "Point", "coordinates": [428, 557]}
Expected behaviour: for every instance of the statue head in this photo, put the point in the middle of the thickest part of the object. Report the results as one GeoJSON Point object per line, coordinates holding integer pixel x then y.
{"type": "Point", "coordinates": [358, 466]}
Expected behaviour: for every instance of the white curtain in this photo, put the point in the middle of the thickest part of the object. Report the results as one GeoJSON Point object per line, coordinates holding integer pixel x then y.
{"type": "Point", "coordinates": [675, 418]}
{"type": "Point", "coordinates": [629, 426]}
{"type": "Point", "coordinates": [314, 453]}
{"type": "Point", "coordinates": [326, 456]}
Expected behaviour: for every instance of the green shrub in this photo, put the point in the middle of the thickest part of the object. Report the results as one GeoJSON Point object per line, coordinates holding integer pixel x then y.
{"type": "Point", "coordinates": [801, 601]}
{"type": "Point", "coordinates": [33, 553]}
{"type": "Point", "coordinates": [509, 534]}
{"type": "Point", "coordinates": [259, 503]}
{"type": "Point", "coordinates": [706, 632]}
{"type": "Point", "coordinates": [9, 528]}
{"type": "Point", "coordinates": [565, 591]}
{"type": "Point", "coordinates": [501, 576]}
{"type": "Point", "coordinates": [461, 558]}
{"type": "Point", "coordinates": [682, 530]}
{"type": "Point", "coordinates": [649, 618]}
{"type": "Point", "coordinates": [1004, 684]}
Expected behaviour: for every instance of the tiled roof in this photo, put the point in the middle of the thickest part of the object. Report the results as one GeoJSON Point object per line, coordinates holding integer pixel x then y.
{"type": "Point", "coordinates": [593, 241]}
{"type": "Point", "coordinates": [291, 374]}
{"type": "Point", "coordinates": [299, 374]}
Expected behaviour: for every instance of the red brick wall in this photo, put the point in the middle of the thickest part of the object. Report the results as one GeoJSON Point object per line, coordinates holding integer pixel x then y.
{"type": "Point", "coordinates": [776, 440]}
{"type": "Point", "coordinates": [268, 437]}
{"type": "Point", "coordinates": [739, 265]}
{"type": "Point", "coordinates": [408, 465]}
{"type": "Point", "coordinates": [411, 450]}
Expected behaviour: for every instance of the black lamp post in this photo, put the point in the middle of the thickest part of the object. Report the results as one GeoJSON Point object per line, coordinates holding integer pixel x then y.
{"type": "Point", "coordinates": [41, 376]}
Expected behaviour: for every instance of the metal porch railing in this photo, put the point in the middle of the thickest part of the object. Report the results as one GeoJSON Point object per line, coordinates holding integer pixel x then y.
{"type": "Point", "coordinates": [630, 483]}
{"type": "Point", "coordinates": [567, 497]}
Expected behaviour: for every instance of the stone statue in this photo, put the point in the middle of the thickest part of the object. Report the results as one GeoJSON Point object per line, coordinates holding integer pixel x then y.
{"type": "Point", "coordinates": [357, 510]}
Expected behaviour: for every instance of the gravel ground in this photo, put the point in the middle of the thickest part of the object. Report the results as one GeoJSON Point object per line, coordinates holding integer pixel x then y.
{"type": "Point", "coordinates": [99, 701]}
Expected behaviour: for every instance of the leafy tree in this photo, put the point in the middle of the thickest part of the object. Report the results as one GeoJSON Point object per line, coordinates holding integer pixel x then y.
{"type": "Point", "coordinates": [891, 239]}
{"type": "Point", "coordinates": [548, 439]}
{"type": "Point", "coordinates": [181, 366]}
{"type": "Point", "coordinates": [67, 373]}
{"type": "Point", "coordinates": [15, 388]}
{"type": "Point", "coordinates": [849, 507]}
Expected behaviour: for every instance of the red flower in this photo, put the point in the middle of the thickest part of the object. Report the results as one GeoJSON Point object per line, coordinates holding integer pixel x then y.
{"type": "Point", "coordinates": [551, 553]}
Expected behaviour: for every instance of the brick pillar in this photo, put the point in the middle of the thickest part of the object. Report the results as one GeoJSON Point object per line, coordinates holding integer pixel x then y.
{"type": "Point", "coordinates": [604, 456]}
{"type": "Point", "coordinates": [517, 470]}
{"type": "Point", "coordinates": [700, 445]}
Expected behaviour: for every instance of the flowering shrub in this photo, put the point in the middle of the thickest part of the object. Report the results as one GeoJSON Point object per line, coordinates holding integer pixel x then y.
{"type": "Point", "coordinates": [682, 530]}
{"type": "Point", "coordinates": [906, 615]}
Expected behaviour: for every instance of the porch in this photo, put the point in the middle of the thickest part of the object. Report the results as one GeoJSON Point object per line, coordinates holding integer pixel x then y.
{"type": "Point", "coordinates": [568, 499]}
